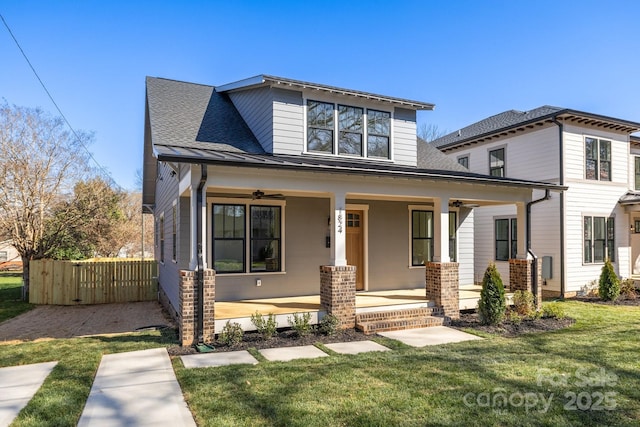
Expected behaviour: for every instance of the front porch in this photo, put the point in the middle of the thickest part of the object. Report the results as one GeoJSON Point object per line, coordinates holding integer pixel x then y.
{"type": "Point", "coordinates": [374, 301]}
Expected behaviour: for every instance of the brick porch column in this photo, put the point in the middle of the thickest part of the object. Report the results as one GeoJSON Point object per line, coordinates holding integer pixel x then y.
{"type": "Point", "coordinates": [442, 287]}
{"type": "Point", "coordinates": [188, 310]}
{"type": "Point", "coordinates": [521, 277]}
{"type": "Point", "coordinates": [338, 293]}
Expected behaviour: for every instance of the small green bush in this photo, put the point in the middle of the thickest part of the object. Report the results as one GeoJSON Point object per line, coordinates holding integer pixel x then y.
{"type": "Point", "coordinates": [609, 284]}
{"type": "Point", "coordinates": [492, 305]}
{"type": "Point", "coordinates": [523, 303]}
{"type": "Point", "coordinates": [301, 323]}
{"type": "Point", "coordinates": [628, 289]}
{"type": "Point", "coordinates": [514, 317]}
{"type": "Point", "coordinates": [265, 325]}
{"type": "Point", "coordinates": [329, 325]}
{"type": "Point", "coordinates": [231, 334]}
{"type": "Point", "coordinates": [553, 310]}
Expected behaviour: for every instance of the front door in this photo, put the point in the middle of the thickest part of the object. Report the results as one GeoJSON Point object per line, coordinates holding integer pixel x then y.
{"type": "Point", "coordinates": [635, 246]}
{"type": "Point", "coordinates": [355, 245]}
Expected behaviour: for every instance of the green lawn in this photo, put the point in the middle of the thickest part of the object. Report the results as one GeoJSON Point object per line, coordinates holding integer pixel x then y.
{"type": "Point", "coordinates": [11, 303]}
{"type": "Point", "coordinates": [443, 385]}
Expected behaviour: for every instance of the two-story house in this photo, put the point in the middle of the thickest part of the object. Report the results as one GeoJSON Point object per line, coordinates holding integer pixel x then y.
{"type": "Point", "coordinates": [277, 188]}
{"type": "Point", "coordinates": [573, 231]}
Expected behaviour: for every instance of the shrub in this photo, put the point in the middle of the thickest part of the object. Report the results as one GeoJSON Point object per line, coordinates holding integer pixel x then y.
{"type": "Point", "coordinates": [231, 334]}
{"type": "Point", "coordinates": [514, 317]}
{"type": "Point", "coordinates": [265, 325]}
{"type": "Point", "coordinates": [329, 325]}
{"type": "Point", "coordinates": [523, 303]}
{"type": "Point", "coordinates": [553, 310]}
{"type": "Point", "coordinates": [492, 305]}
{"type": "Point", "coordinates": [628, 289]}
{"type": "Point", "coordinates": [609, 288]}
{"type": "Point", "coordinates": [300, 323]}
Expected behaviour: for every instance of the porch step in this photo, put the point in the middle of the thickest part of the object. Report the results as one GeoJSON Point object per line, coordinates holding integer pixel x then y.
{"type": "Point", "coordinates": [396, 320]}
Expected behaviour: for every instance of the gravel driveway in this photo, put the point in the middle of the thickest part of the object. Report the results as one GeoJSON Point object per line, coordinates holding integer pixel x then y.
{"type": "Point", "coordinates": [55, 321]}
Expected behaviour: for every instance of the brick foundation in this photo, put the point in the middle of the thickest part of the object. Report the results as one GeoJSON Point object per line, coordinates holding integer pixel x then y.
{"type": "Point", "coordinates": [521, 277]}
{"type": "Point", "coordinates": [338, 293]}
{"type": "Point", "coordinates": [188, 310]}
{"type": "Point", "coordinates": [442, 287]}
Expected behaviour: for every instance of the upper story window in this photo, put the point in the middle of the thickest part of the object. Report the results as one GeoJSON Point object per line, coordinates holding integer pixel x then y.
{"type": "Point", "coordinates": [496, 162]}
{"type": "Point", "coordinates": [324, 121]}
{"type": "Point", "coordinates": [637, 172]}
{"type": "Point", "coordinates": [597, 159]}
{"type": "Point", "coordinates": [464, 161]}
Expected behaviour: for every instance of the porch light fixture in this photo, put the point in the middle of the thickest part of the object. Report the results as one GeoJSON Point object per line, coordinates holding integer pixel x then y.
{"type": "Point", "coordinates": [457, 204]}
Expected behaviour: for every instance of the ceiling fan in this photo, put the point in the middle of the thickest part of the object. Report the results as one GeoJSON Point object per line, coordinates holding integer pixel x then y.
{"type": "Point", "coordinates": [259, 194]}
{"type": "Point", "coordinates": [460, 204]}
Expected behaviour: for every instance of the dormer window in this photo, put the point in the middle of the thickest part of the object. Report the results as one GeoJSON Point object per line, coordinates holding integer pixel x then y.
{"type": "Point", "coordinates": [324, 120]}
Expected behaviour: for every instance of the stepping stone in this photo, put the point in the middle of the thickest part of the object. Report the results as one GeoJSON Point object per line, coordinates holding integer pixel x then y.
{"type": "Point", "coordinates": [356, 347]}
{"type": "Point", "coordinates": [223, 358]}
{"type": "Point", "coordinates": [284, 354]}
{"type": "Point", "coordinates": [429, 336]}
{"type": "Point", "coordinates": [18, 384]}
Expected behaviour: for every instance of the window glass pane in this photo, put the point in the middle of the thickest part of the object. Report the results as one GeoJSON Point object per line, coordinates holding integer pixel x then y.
{"type": "Point", "coordinates": [598, 228]}
{"type": "Point", "coordinates": [588, 236]}
{"type": "Point", "coordinates": [514, 238]}
{"type": "Point", "coordinates": [229, 256]}
{"type": "Point", "coordinates": [320, 140]}
{"type": "Point", "coordinates": [464, 161]}
{"type": "Point", "coordinates": [422, 251]}
{"type": "Point", "coordinates": [265, 238]}
{"type": "Point", "coordinates": [320, 126]}
{"type": "Point", "coordinates": [350, 128]}
{"type": "Point", "coordinates": [378, 133]}
{"type": "Point", "coordinates": [378, 146]}
{"type": "Point", "coordinates": [422, 237]}
{"type": "Point", "coordinates": [502, 229]}
{"type": "Point", "coordinates": [587, 251]}
{"type": "Point", "coordinates": [637, 173]}
{"type": "Point", "coordinates": [496, 162]}
{"type": "Point", "coordinates": [265, 222]}
{"type": "Point", "coordinates": [502, 239]}
{"type": "Point", "coordinates": [611, 238]}
{"type": "Point", "coordinates": [350, 143]}
{"type": "Point", "coordinates": [453, 225]}
{"type": "Point", "coordinates": [591, 158]}
{"type": "Point", "coordinates": [3, 255]}
{"type": "Point", "coordinates": [605, 150]}
{"type": "Point", "coordinates": [502, 250]}
{"type": "Point", "coordinates": [228, 221]}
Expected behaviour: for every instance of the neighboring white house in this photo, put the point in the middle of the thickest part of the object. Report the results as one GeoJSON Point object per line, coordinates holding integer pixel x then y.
{"type": "Point", "coordinates": [288, 188]}
{"type": "Point", "coordinates": [9, 256]}
{"type": "Point", "coordinates": [574, 231]}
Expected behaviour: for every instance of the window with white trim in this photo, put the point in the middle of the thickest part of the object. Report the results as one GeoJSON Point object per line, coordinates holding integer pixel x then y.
{"type": "Point", "coordinates": [421, 237]}
{"type": "Point", "coordinates": [506, 238]}
{"type": "Point", "coordinates": [637, 173]}
{"type": "Point", "coordinates": [599, 239]}
{"type": "Point", "coordinates": [464, 161]}
{"type": "Point", "coordinates": [496, 162]}
{"type": "Point", "coordinates": [244, 232]}
{"type": "Point", "coordinates": [597, 159]}
{"type": "Point", "coordinates": [453, 236]}
{"type": "Point", "coordinates": [325, 120]}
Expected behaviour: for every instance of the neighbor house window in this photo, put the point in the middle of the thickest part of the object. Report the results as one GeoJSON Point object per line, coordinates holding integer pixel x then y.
{"type": "Point", "coordinates": [464, 161]}
{"type": "Point", "coordinates": [597, 159]}
{"type": "Point", "coordinates": [174, 234]}
{"type": "Point", "coordinates": [636, 226]}
{"type": "Point", "coordinates": [265, 238]}
{"type": "Point", "coordinates": [421, 237]}
{"type": "Point", "coordinates": [229, 223]}
{"type": "Point", "coordinates": [378, 133]}
{"type": "Point", "coordinates": [3, 256]}
{"type": "Point", "coordinates": [320, 127]}
{"type": "Point", "coordinates": [161, 227]}
{"type": "Point", "coordinates": [350, 130]}
{"type": "Point", "coordinates": [506, 238]}
{"type": "Point", "coordinates": [599, 239]}
{"type": "Point", "coordinates": [637, 173]}
{"type": "Point", "coordinates": [496, 162]}
{"type": "Point", "coordinates": [453, 226]}
{"type": "Point", "coordinates": [354, 138]}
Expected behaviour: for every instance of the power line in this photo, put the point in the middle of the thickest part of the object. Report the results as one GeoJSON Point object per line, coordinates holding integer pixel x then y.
{"type": "Point", "coordinates": [100, 167]}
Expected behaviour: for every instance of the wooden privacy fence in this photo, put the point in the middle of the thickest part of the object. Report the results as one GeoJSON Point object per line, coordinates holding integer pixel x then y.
{"type": "Point", "coordinates": [92, 281]}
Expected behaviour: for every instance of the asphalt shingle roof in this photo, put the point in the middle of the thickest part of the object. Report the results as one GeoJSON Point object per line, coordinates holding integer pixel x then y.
{"type": "Point", "coordinates": [429, 157]}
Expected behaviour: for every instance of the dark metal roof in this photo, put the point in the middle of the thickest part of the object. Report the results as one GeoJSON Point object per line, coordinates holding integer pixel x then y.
{"type": "Point", "coordinates": [512, 121]}
{"type": "Point", "coordinates": [263, 79]}
{"type": "Point", "coordinates": [311, 163]}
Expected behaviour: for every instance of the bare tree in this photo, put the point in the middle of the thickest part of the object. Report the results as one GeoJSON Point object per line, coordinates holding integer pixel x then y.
{"type": "Point", "coordinates": [429, 132]}
{"type": "Point", "coordinates": [40, 160]}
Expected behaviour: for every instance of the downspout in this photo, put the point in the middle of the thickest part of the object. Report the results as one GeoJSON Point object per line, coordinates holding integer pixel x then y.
{"type": "Point", "coordinates": [534, 267]}
{"type": "Point", "coordinates": [200, 266]}
{"type": "Point", "coordinates": [561, 177]}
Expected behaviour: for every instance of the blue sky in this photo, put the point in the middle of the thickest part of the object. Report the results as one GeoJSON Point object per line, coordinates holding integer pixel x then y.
{"type": "Point", "coordinates": [473, 59]}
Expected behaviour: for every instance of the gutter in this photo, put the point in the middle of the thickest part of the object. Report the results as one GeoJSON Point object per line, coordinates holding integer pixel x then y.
{"type": "Point", "coordinates": [562, 232]}
{"type": "Point", "coordinates": [200, 266]}
{"type": "Point", "coordinates": [534, 269]}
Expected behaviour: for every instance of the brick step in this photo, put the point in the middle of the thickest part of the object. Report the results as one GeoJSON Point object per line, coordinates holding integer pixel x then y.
{"type": "Point", "coordinates": [396, 320]}
{"type": "Point", "coordinates": [404, 313]}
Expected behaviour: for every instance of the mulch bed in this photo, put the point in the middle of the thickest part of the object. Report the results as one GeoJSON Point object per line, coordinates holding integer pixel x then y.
{"type": "Point", "coordinates": [284, 338]}
{"type": "Point", "coordinates": [508, 329]}
{"type": "Point", "coordinates": [634, 302]}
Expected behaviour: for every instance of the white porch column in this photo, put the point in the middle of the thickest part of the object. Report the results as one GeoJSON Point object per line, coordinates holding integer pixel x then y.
{"type": "Point", "coordinates": [521, 252]}
{"type": "Point", "coordinates": [205, 233]}
{"type": "Point", "coordinates": [441, 230]}
{"type": "Point", "coordinates": [338, 229]}
{"type": "Point", "coordinates": [193, 252]}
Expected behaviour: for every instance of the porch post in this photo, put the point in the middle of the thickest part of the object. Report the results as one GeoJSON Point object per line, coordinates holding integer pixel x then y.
{"type": "Point", "coordinates": [338, 229]}
{"type": "Point", "coordinates": [193, 229]}
{"type": "Point", "coordinates": [442, 287]}
{"type": "Point", "coordinates": [521, 251]}
{"type": "Point", "coordinates": [204, 233]}
{"type": "Point", "coordinates": [441, 230]}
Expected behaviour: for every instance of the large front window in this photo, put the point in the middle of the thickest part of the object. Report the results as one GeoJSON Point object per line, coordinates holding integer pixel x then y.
{"type": "Point", "coordinates": [421, 237]}
{"type": "Point", "coordinates": [354, 138]}
{"type": "Point", "coordinates": [506, 238]}
{"type": "Point", "coordinates": [599, 239]}
{"type": "Point", "coordinates": [597, 159]}
{"type": "Point", "coordinates": [242, 232]}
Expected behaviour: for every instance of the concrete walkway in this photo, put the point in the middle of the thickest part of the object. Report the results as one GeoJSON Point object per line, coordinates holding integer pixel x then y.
{"type": "Point", "coordinates": [429, 336]}
{"type": "Point", "coordinates": [137, 388]}
{"type": "Point", "coordinates": [18, 384]}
